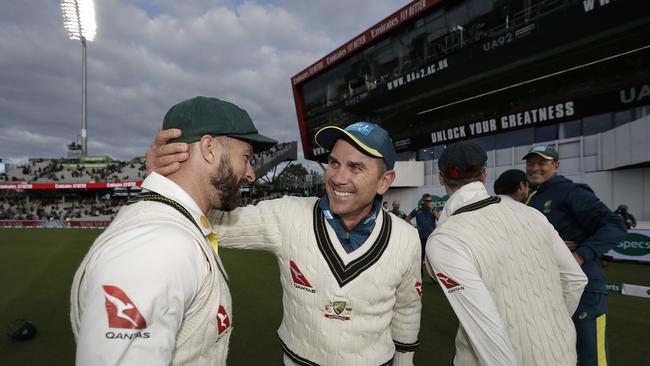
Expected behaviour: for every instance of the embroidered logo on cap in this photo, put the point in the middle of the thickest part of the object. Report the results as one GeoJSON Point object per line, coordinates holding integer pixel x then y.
{"type": "Point", "coordinates": [361, 127]}
{"type": "Point", "coordinates": [121, 311]}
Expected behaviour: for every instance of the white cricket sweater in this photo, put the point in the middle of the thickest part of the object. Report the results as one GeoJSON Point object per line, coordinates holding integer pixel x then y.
{"type": "Point", "coordinates": [510, 278]}
{"type": "Point", "coordinates": [338, 308]}
{"type": "Point", "coordinates": [156, 278]}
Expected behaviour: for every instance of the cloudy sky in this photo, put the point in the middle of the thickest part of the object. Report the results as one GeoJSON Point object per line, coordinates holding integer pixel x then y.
{"type": "Point", "coordinates": [150, 54]}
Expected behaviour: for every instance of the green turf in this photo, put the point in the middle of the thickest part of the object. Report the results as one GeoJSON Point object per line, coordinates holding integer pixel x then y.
{"type": "Point", "coordinates": [37, 266]}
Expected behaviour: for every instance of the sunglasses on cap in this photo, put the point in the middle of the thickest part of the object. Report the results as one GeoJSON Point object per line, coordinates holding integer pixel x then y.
{"type": "Point", "coordinates": [454, 172]}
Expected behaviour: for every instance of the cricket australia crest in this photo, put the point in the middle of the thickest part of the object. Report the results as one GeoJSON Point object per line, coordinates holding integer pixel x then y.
{"type": "Point", "coordinates": [547, 206]}
{"type": "Point", "coordinates": [340, 310]}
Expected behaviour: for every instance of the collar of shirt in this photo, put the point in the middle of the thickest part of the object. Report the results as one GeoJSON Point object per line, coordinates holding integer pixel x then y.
{"type": "Point", "coordinates": [359, 234]}
{"type": "Point", "coordinates": [465, 195]}
{"type": "Point", "coordinates": [165, 187]}
{"type": "Point", "coordinates": [506, 197]}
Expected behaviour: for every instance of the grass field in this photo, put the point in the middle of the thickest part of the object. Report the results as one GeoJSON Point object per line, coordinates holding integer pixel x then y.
{"type": "Point", "coordinates": [37, 266]}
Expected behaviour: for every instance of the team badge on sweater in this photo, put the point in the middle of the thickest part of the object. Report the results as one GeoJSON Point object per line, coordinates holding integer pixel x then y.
{"type": "Point", "coordinates": [339, 310]}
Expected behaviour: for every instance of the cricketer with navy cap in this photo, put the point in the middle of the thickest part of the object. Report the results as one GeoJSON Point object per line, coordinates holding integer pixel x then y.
{"type": "Point", "coordinates": [506, 272]}
{"type": "Point", "coordinates": [350, 272]}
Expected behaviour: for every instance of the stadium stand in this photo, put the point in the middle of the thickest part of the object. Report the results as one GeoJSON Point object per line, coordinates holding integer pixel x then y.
{"type": "Point", "coordinates": [103, 169]}
{"type": "Point", "coordinates": [23, 200]}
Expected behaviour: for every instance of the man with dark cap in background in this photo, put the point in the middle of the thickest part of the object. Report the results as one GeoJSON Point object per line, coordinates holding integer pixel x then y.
{"type": "Point", "coordinates": [589, 229]}
{"type": "Point", "coordinates": [512, 183]}
{"type": "Point", "coordinates": [350, 272]}
{"type": "Point", "coordinates": [151, 289]}
{"type": "Point", "coordinates": [506, 272]}
{"type": "Point", "coordinates": [396, 211]}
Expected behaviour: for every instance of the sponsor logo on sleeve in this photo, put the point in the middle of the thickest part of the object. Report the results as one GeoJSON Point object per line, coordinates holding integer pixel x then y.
{"type": "Point", "coordinates": [339, 310]}
{"type": "Point", "coordinates": [418, 287]}
{"type": "Point", "coordinates": [450, 285]}
{"type": "Point", "coordinates": [299, 279]}
{"type": "Point", "coordinates": [223, 321]}
{"type": "Point", "coordinates": [123, 314]}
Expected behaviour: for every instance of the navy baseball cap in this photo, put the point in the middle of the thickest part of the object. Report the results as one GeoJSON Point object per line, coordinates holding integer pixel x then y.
{"type": "Point", "coordinates": [462, 160]}
{"type": "Point", "coordinates": [369, 137]}
{"type": "Point", "coordinates": [546, 152]}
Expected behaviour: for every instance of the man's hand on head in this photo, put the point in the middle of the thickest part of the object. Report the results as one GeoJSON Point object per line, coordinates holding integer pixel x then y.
{"type": "Point", "coordinates": [164, 158]}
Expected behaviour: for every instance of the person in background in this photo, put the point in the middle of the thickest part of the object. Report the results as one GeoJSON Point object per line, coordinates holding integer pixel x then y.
{"type": "Point", "coordinates": [396, 211]}
{"type": "Point", "coordinates": [425, 219]}
{"type": "Point", "coordinates": [589, 229]}
{"type": "Point", "coordinates": [385, 206]}
{"type": "Point", "coordinates": [627, 217]}
{"type": "Point", "coordinates": [512, 183]}
{"type": "Point", "coordinates": [506, 272]}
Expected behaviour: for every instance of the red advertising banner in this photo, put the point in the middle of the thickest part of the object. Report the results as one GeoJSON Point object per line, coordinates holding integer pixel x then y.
{"type": "Point", "coordinates": [89, 224]}
{"type": "Point", "coordinates": [75, 224]}
{"type": "Point", "coordinates": [394, 20]}
{"type": "Point", "coordinates": [71, 185]}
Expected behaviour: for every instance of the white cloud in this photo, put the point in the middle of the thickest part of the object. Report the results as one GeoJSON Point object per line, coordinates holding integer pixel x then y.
{"type": "Point", "coordinates": [150, 54]}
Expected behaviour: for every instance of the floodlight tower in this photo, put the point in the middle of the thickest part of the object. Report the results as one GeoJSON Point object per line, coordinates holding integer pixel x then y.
{"type": "Point", "coordinates": [79, 21]}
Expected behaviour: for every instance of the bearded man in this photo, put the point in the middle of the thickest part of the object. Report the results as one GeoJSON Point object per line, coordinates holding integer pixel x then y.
{"type": "Point", "coordinates": [152, 287]}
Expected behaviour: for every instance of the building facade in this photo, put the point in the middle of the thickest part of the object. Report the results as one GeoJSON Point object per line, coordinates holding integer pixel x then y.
{"type": "Point", "coordinates": [504, 74]}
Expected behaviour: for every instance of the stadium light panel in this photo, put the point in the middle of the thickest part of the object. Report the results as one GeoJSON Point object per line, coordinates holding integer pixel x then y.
{"type": "Point", "coordinates": [79, 19]}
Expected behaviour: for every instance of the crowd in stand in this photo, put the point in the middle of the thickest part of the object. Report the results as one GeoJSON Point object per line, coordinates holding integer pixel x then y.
{"type": "Point", "coordinates": [47, 172]}
{"type": "Point", "coordinates": [112, 173]}
{"type": "Point", "coordinates": [34, 209]}
{"type": "Point", "coordinates": [259, 158]}
{"type": "Point", "coordinates": [53, 172]}
{"type": "Point", "coordinates": [115, 171]}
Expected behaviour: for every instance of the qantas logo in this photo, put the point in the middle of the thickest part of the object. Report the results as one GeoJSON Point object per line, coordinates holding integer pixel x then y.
{"type": "Point", "coordinates": [121, 311]}
{"type": "Point", "coordinates": [299, 279]}
{"type": "Point", "coordinates": [450, 284]}
{"type": "Point", "coordinates": [418, 287]}
{"type": "Point", "coordinates": [223, 321]}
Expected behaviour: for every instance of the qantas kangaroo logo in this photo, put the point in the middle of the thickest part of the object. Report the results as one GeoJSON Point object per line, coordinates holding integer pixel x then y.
{"type": "Point", "coordinates": [223, 321]}
{"type": "Point", "coordinates": [121, 311]}
{"type": "Point", "coordinates": [449, 284]}
{"type": "Point", "coordinates": [299, 279]}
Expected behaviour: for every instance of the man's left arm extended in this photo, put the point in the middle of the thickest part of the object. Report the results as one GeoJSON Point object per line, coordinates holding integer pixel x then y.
{"type": "Point", "coordinates": [256, 227]}
{"type": "Point", "coordinates": [405, 324]}
{"type": "Point", "coordinates": [590, 213]}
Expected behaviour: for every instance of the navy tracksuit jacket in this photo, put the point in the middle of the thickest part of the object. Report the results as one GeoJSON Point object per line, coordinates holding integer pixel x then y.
{"type": "Point", "coordinates": [579, 216]}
